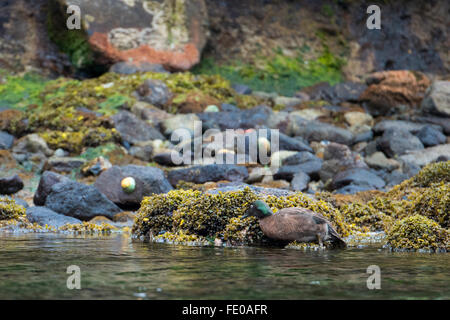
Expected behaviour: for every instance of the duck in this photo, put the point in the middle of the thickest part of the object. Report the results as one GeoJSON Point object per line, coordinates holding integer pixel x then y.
{"type": "Point", "coordinates": [294, 224]}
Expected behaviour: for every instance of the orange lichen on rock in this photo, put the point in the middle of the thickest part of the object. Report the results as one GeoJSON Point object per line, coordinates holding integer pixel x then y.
{"type": "Point", "coordinates": [183, 59]}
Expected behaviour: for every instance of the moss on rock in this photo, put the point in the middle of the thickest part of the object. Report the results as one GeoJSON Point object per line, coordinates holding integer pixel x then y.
{"type": "Point", "coordinates": [432, 202]}
{"type": "Point", "coordinates": [366, 216]}
{"type": "Point", "coordinates": [418, 232]}
{"type": "Point", "coordinates": [10, 210]}
{"type": "Point", "coordinates": [218, 216]}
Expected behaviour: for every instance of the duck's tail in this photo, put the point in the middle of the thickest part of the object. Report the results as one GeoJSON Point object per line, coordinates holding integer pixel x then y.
{"type": "Point", "coordinates": [335, 238]}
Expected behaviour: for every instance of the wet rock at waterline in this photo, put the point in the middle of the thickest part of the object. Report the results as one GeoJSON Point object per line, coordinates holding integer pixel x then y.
{"type": "Point", "coordinates": [44, 216]}
{"type": "Point", "coordinates": [80, 201]}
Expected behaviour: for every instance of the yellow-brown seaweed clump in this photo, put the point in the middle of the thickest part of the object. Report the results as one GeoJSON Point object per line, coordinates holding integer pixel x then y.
{"type": "Point", "coordinates": [88, 228]}
{"type": "Point", "coordinates": [218, 216]}
{"type": "Point", "coordinates": [418, 232]}
{"type": "Point", "coordinates": [10, 210]}
{"type": "Point", "coordinates": [366, 216]}
{"type": "Point", "coordinates": [432, 202]}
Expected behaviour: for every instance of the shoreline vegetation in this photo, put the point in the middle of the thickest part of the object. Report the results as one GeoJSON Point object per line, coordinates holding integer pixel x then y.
{"type": "Point", "coordinates": [412, 216]}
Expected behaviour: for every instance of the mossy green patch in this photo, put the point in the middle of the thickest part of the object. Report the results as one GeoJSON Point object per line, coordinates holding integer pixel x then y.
{"type": "Point", "coordinates": [17, 92]}
{"type": "Point", "coordinates": [280, 73]}
{"type": "Point", "coordinates": [72, 42]}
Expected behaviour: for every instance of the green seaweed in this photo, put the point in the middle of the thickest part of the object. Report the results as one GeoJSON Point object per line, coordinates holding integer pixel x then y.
{"type": "Point", "coordinates": [280, 73]}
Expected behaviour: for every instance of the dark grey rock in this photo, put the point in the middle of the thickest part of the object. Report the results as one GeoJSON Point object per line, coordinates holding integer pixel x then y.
{"type": "Point", "coordinates": [299, 158]}
{"type": "Point", "coordinates": [398, 142]}
{"type": "Point", "coordinates": [300, 181]}
{"type": "Point", "coordinates": [6, 140]}
{"type": "Point", "coordinates": [226, 107]}
{"type": "Point", "coordinates": [143, 152]}
{"type": "Point", "coordinates": [79, 201]}
{"type": "Point", "coordinates": [165, 158]}
{"type": "Point", "coordinates": [64, 164]}
{"type": "Point", "coordinates": [153, 178]}
{"type": "Point", "coordinates": [412, 127]}
{"type": "Point", "coordinates": [241, 88]}
{"type": "Point", "coordinates": [318, 131]}
{"type": "Point", "coordinates": [44, 216]}
{"type": "Point", "coordinates": [256, 117]}
{"type": "Point", "coordinates": [429, 136]}
{"type": "Point", "coordinates": [48, 179]}
{"type": "Point", "coordinates": [359, 177]}
{"type": "Point", "coordinates": [154, 92]}
{"type": "Point", "coordinates": [352, 189]}
{"type": "Point", "coordinates": [149, 181]}
{"type": "Point", "coordinates": [371, 147]}
{"type": "Point", "coordinates": [311, 168]}
{"type": "Point", "coordinates": [338, 157]}
{"type": "Point", "coordinates": [11, 184]}
{"type": "Point", "coordinates": [363, 136]}
{"type": "Point", "coordinates": [130, 68]}
{"type": "Point", "coordinates": [394, 178]}
{"type": "Point", "coordinates": [134, 130]}
{"type": "Point", "coordinates": [347, 91]}
{"type": "Point", "coordinates": [293, 144]}
{"type": "Point", "coordinates": [435, 120]}
{"type": "Point", "coordinates": [211, 172]}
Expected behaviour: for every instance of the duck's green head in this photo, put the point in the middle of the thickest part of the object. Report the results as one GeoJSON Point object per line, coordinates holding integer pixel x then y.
{"type": "Point", "coordinates": [258, 209]}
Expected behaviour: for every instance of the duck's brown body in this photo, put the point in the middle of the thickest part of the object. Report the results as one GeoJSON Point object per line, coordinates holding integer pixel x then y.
{"type": "Point", "coordinates": [299, 224]}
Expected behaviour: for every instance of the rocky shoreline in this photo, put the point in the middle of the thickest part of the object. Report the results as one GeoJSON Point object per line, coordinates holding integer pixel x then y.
{"type": "Point", "coordinates": [370, 157]}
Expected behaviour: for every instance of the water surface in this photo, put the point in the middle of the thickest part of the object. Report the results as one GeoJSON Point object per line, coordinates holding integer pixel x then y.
{"type": "Point", "coordinates": [33, 266]}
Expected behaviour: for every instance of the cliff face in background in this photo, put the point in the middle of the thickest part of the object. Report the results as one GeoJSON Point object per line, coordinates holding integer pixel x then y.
{"type": "Point", "coordinates": [414, 34]}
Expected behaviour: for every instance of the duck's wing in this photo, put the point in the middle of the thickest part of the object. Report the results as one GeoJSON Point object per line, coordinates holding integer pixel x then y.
{"type": "Point", "coordinates": [288, 226]}
{"type": "Point", "coordinates": [316, 217]}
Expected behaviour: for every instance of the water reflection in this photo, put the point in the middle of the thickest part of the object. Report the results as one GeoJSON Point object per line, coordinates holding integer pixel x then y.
{"type": "Point", "coordinates": [34, 267]}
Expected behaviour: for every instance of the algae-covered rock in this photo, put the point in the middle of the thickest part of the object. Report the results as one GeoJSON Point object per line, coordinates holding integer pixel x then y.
{"type": "Point", "coordinates": [366, 215]}
{"type": "Point", "coordinates": [418, 232]}
{"type": "Point", "coordinates": [10, 210]}
{"type": "Point", "coordinates": [432, 202]}
{"type": "Point", "coordinates": [218, 215]}
{"type": "Point", "coordinates": [432, 173]}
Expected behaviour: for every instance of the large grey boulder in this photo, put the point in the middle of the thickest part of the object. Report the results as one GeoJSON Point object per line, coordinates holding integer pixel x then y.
{"type": "Point", "coordinates": [148, 180]}
{"type": "Point", "coordinates": [79, 201]}
{"type": "Point", "coordinates": [44, 216]}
